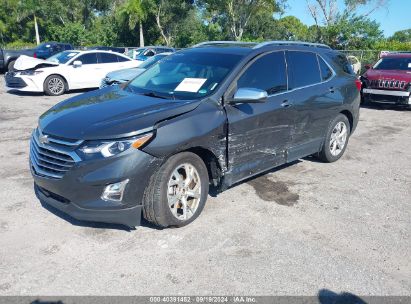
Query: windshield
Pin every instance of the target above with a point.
(62, 57)
(151, 61)
(190, 75)
(400, 63)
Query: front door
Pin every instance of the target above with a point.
(259, 133)
(83, 76)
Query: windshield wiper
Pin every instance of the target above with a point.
(152, 94)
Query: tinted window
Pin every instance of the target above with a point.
(326, 72)
(122, 59)
(107, 58)
(345, 64)
(400, 63)
(88, 58)
(267, 73)
(302, 69)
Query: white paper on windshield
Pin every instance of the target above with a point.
(409, 65)
(72, 54)
(190, 84)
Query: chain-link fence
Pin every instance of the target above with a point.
(364, 56)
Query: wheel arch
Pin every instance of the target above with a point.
(211, 162)
(350, 117)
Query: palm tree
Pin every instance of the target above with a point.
(28, 9)
(136, 12)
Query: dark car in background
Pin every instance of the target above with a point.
(217, 113)
(143, 53)
(42, 51)
(120, 50)
(389, 80)
(124, 75)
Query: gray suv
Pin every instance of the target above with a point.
(215, 114)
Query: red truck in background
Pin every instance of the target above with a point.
(389, 80)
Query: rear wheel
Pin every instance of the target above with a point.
(177, 192)
(336, 139)
(54, 85)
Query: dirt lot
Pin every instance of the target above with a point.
(294, 231)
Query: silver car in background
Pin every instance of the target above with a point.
(124, 75)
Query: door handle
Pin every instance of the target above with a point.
(286, 103)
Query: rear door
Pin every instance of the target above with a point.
(259, 133)
(316, 97)
(85, 75)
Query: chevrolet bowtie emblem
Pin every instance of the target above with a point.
(44, 139)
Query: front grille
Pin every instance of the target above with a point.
(14, 82)
(387, 84)
(52, 159)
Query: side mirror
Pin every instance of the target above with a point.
(368, 66)
(77, 63)
(249, 95)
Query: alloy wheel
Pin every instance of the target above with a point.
(56, 86)
(338, 138)
(184, 191)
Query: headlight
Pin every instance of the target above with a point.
(30, 73)
(110, 148)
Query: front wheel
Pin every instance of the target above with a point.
(336, 139)
(177, 192)
(54, 85)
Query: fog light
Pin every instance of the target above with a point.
(114, 192)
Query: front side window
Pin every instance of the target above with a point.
(189, 75)
(303, 69)
(400, 63)
(90, 58)
(267, 73)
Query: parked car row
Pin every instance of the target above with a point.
(216, 113)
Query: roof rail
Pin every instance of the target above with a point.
(223, 42)
(303, 43)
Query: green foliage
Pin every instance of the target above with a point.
(402, 36)
(182, 23)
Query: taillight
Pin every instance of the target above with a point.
(35, 55)
(358, 84)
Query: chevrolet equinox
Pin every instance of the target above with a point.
(217, 113)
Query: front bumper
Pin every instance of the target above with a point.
(387, 96)
(128, 216)
(22, 83)
(78, 192)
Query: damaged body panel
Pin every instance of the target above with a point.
(28, 63)
(220, 114)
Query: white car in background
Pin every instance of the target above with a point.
(65, 71)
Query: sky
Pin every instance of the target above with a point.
(395, 17)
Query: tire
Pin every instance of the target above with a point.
(335, 141)
(163, 198)
(10, 66)
(54, 85)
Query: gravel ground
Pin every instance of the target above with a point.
(297, 230)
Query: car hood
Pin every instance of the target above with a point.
(25, 63)
(125, 74)
(109, 113)
(400, 75)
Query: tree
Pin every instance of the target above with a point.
(136, 11)
(235, 15)
(402, 36)
(169, 14)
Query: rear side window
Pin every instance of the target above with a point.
(122, 59)
(345, 64)
(107, 58)
(267, 73)
(90, 58)
(326, 72)
(303, 69)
